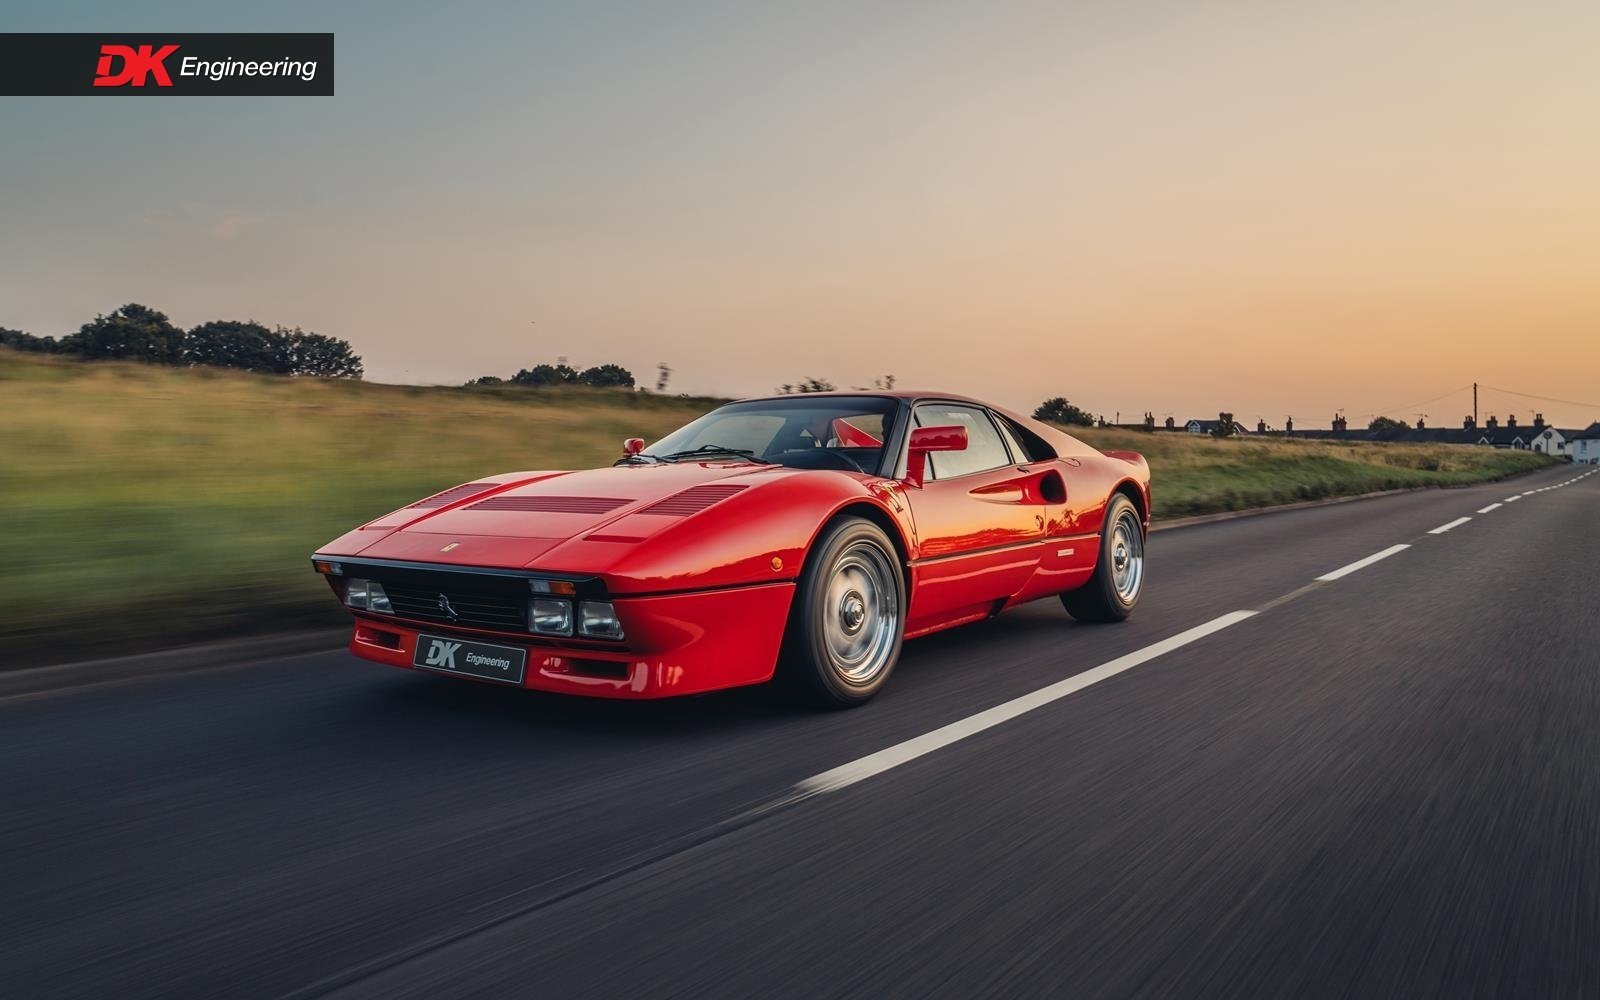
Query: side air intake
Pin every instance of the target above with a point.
(692, 500)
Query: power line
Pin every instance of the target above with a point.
(1544, 399)
(1412, 407)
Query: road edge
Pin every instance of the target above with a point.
(167, 662)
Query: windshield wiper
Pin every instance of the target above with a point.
(639, 459)
(716, 449)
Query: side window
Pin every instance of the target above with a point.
(984, 449)
(1026, 445)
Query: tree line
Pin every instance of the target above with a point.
(139, 333)
(606, 376)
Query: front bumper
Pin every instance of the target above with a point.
(677, 644)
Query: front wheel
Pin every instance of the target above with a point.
(1113, 591)
(848, 621)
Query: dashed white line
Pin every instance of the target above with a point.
(1493, 506)
(918, 746)
(1362, 563)
(1441, 529)
(1513, 499)
(1529, 493)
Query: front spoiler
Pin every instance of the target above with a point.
(677, 644)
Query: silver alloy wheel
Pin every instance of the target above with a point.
(1127, 556)
(861, 613)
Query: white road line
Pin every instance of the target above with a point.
(1362, 563)
(1441, 529)
(1512, 499)
(892, 757)
(1493, 506)
(1529, 493)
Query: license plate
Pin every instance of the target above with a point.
(475, 659)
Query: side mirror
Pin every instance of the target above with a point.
(632, 447)
(926, 439)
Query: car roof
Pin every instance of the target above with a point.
(908, 395)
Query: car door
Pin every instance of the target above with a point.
(979, 522)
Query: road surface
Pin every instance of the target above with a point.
(1386, 782)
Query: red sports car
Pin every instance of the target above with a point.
(801, 536)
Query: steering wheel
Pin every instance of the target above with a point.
(820, 458)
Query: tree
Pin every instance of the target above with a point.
(809, 384)
(1225, 427)
(316, 355)
(1385, 428)
(486, 380)
(229, 343)
(134, 331)
(602, 376)
(20, 341)
(557, 374)
(1058, 411)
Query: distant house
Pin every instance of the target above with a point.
(1584, 445)
(1210, 427)
(1538, 436)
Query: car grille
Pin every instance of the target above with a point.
(473, 609)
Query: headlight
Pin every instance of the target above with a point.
(367, 595)
(550, 616)
(598, 620)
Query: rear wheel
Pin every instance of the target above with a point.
(1113, 591)
(848, 621)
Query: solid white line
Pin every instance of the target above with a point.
(891, 757)
(1362, 563)
(1493, 506)
(1441, 529)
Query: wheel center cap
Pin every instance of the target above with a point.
(1120, 557)
(852, 612)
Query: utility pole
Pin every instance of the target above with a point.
(1474, 404)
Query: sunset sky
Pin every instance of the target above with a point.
(1178, 207)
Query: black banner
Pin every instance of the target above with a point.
(153, 63)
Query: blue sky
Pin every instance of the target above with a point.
(1009, 199)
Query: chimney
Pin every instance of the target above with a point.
(1170, 423)
(1339, 424)
(1421, 426)
(1261, 426)
(1468, 424)
(1149, 421)
(1492, 422)
(1288, 426)
(1511, 421)
(1538, 421)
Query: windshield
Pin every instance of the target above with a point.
(826, 432)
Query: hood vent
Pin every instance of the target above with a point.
(552, 505)
(692, 500)
(450, 496)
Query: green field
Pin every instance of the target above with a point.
(144, 506)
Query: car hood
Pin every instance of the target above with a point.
(514, 519)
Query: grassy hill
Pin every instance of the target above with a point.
(142, 506)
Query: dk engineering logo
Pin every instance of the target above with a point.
(182, 64)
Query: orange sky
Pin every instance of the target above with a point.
(1179, 207)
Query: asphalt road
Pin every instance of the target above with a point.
(1382, 784)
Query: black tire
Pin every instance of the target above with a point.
(1107, 596)
(853, 574)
